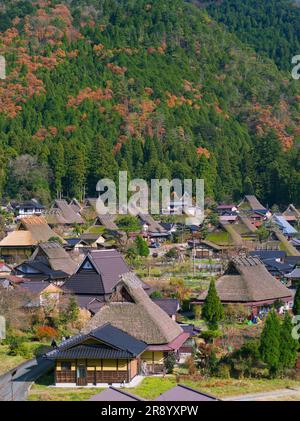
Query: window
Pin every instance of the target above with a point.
(87, 265)
(66, 366)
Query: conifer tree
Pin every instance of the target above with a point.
(270, 342)
(142, 247)
(296, 306)
(288, 345)
(212, 310)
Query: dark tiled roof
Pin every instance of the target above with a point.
(28, 204)
(292, 260)
(92, 352)
(272, 265)
(268, 254)
(191, 329)
(109, 266)
(89, 302)
(42, 270)
(169, 305)
(85, 282)
(114, 343)
(185, 394)
(35, 287)
(118, 338)
(114, 395)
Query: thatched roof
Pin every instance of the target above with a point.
(108, 221)
(31, 231)
(253, 203)
(131, 310)
(67, 212)
(56, 257)
(18, 238)
(292, 211)
(246, 221)
(247, 280)
(153, 226)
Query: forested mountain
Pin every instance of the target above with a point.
(270, 26)
(155, 87)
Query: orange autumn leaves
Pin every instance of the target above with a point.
(266, 120)
(22, 81)
(96, 95)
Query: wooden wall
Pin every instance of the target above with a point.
(98, 371)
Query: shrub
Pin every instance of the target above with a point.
(17, 346)
(210, 335)
(46, 333)
(197, 311)
(170, 362)
(223, 371)
(190, 365)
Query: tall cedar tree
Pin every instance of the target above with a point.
(288, 345)
(142, 247)
(212, 310)
(296, 306)
(270, 342)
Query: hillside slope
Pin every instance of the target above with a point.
(156, 88)
(271, 27)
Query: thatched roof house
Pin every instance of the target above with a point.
(53, 254)
(107, 221)
(291, 214)
(252, 203)
(62, 213)
(154, 228)
(30, 231)
(131, 310)
(247, 281)
(49, 262)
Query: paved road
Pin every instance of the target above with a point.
(265, 395)
(16, 388)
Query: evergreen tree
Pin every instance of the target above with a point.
(142, 246)
(288, 345)
(212, 310)
(296, 306)
(270, 342)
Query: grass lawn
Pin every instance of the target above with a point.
(220, 238)
(96, 230)
(41, 392)
(7, 362)
(152, 387)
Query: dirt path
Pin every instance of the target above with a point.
(273, 395)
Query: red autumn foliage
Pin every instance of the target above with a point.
(203, 151)
(92, 94)
(266, 120)
(118, 70)
(46, 332)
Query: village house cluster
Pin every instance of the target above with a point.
(133, 324)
